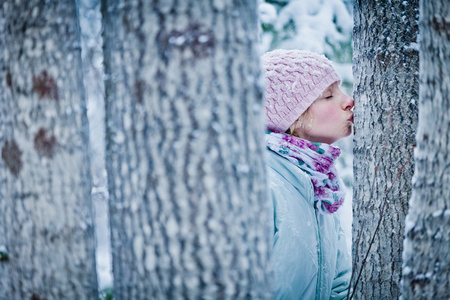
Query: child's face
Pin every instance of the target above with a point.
(329, 118)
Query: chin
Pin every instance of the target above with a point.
(349, 130)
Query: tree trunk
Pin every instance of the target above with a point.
(185, 150)
(385, 93)
(426, 266)
(46, 229)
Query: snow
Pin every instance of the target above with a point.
(203, 38)
(447, 213)
(422, 276)
(437, 213)
(406, 270)
(267, 13)
(412, 46)
(178, 41)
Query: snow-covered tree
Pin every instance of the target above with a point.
(323, 26)
(46, 229)
(385, 58)
(185, 150)
(426, 265)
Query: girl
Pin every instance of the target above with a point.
(306, 112)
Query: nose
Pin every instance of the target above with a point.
(348, 103)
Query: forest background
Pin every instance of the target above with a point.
(178, 108)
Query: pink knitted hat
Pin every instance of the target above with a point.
(294, 79)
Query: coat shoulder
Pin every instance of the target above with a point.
(284, 176)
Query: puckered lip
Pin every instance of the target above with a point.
(351, 118)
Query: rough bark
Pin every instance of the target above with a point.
(46, 218)
(184, 150)
(385, 93)
(426, 265)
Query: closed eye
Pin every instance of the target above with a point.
(328, 97)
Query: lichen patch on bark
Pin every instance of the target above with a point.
(44, 143)
(45, 86)
(11, 155)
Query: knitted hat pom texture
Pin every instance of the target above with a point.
(294, 79)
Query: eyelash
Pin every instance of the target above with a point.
(328, 97)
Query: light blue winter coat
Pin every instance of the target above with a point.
(309, 258)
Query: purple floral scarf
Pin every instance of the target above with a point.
(315, 159)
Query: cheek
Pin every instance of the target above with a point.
(326, 115)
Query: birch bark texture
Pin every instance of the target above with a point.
(185, 164)
(426, 256)
(385, 69)
(46, 228)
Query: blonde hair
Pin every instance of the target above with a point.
(300, 123)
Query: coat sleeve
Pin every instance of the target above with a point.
(341, 282)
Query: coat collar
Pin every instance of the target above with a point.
(296, 177)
